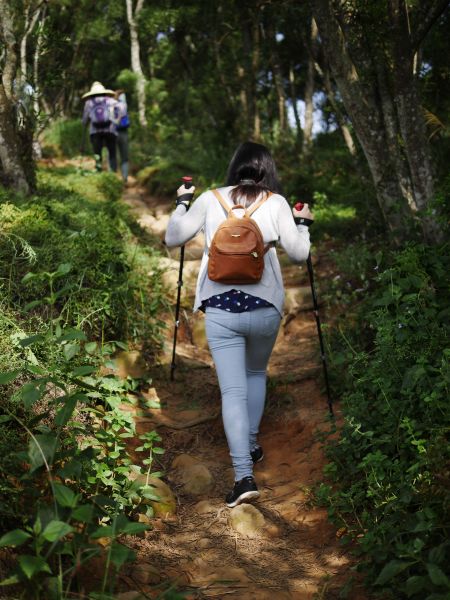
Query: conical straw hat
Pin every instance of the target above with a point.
(98, 89)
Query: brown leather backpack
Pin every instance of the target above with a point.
(236, 255)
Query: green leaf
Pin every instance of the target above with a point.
(17, 537)
(415, 584)
(39, 447)
(56, 530)
(10, 580)
(5, 418)
(64, 495)
(28, 276)
(437, 575)
(133, 528)
(70, 350)
(121, 345)
(120, 554)
(64, 414)
(83, 370)
(30, 393)
(90, 347)
(63, 269)
(73, 334)
(84, 513)
(30, 565)
(32, 339)
(31, 305)
(393, 568)
(8, 376)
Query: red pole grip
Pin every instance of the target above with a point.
(187, 180)
(299, 206)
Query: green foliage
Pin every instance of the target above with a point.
(76, 221)
(73, 270)
(391, 463)
(63, 138)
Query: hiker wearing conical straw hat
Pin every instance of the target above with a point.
(98, 113)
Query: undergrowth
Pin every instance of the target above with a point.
(390, 468)
(78, 281)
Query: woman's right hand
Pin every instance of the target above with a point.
(305, 212)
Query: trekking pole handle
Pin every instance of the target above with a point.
(302, 220)
(187, 180)
(186, 198)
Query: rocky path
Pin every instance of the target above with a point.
(281, 547)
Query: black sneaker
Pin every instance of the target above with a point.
(257, 454)
(243, 490)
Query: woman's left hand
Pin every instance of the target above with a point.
(305, 212)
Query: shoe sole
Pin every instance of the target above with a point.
(245, 496)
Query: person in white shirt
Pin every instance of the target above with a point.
(242, 321)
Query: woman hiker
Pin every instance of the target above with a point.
(242, 320)
(99, 114)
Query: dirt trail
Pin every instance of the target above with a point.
(289, 551)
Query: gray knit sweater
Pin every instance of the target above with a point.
(275, 220)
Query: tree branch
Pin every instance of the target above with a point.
(437, 8)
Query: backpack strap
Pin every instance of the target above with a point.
(249, 212)
(252, 209)
(222, 201)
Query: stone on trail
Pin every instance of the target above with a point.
(197, 480)
(166, 505)
(194, 476)
(182, 461)
(247, 520)
(204, 507)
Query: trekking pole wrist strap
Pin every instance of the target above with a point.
(184, 199)
(303, 221)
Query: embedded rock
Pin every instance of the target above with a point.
(197, 480)
(247, 520)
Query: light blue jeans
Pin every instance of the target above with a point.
(241, 344)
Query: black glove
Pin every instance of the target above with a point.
(303, 221)
(185, 199)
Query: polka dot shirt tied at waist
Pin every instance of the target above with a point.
(235, 301)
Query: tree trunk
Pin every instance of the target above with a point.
(293, 92)
(13, 154)
(36, 57)
(136, 58)
(359, 72)
(28, 28)
(309, 93)
(256, 50)
(278, 77)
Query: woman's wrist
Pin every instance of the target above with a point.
(303, 221)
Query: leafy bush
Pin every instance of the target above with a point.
(75, 220)
(74, 275)
(392, 459)
(63, 138)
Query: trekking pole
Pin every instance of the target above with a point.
(187, 184)
(299, 207)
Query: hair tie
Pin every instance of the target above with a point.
(247, 182)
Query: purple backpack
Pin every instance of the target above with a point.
(100, 114)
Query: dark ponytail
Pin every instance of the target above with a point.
(252, 170)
